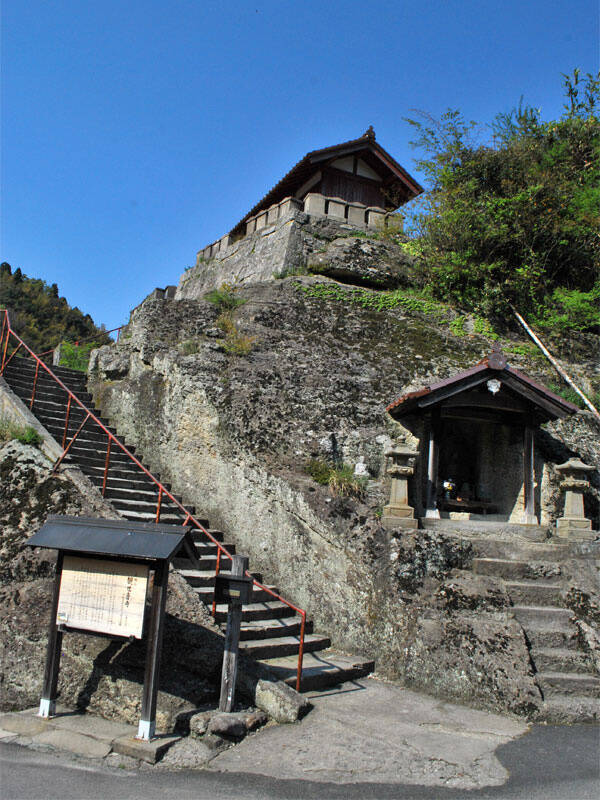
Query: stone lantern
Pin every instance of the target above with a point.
(573, 524)
(398, 514)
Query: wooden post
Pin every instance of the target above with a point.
(48, 701)
(147, 724)
(232, 641)
(529, 517)
(431, 509)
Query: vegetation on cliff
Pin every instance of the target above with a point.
(516, 220)
(39, 316)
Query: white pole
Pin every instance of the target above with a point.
(555, 364)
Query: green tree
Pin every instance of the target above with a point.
(515, 220)
(39, 316)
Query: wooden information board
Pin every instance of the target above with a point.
(103, 596)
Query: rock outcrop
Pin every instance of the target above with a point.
(234, 434)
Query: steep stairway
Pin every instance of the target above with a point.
(270, 628)
(564, 672)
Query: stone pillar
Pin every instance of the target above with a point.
(398, 514)
(431, 509)
(573, 523)
(529, 517)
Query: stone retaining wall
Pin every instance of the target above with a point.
(356, 214)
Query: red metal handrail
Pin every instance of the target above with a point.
(7, 332)
(77, 342)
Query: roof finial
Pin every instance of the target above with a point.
(369, 133)
(497, 358)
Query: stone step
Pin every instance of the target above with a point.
(97, 455)
(93, 435)
(323, 671)
(559, 659)
(568, 683)
(207, 563)
(207, 593)
(273, 629)
(518, 551)
(534, 593)
(253, 611)
(46, 388)
(141, 495)
(165, 519)
(141, 507)
(543, 635)
(126, 472)
(542, 615)
(500, 568)
(200, 536)
(205, 579)
(121, 476)
(27, 365)
(559, 709)
(283, 646)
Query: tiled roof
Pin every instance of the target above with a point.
(493, 365)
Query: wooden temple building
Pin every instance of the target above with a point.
(477, 430)
(360, 171)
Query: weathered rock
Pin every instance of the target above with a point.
(199, 723)
(234, 434)
(280, 702)
(364, 261)
(228, 725)
(255, 720)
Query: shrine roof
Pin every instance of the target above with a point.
(544, 403)
(110, 537)
(305, 168)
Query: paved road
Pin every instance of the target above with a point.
(549, 763)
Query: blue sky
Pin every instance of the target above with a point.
(134, 133)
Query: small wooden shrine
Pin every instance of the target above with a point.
(478, 429)
(358, 171)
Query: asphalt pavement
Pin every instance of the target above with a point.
(548, 763)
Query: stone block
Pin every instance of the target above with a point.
(261, 220)
(224, 242)
(280, 701)
(228, 725)
(151, 751)
(288, 205)
(272, 214)
(251, 225)
(314, 204)
(92, 725)
(356, 214)
(406, 523)
(23, 724)
(336, 208)
(375, 217)
(74, 742)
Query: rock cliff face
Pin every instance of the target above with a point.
(234, 433)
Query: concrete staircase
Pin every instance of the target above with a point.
(564, 673)
(270, 628)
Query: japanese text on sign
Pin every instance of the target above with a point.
(104, 596)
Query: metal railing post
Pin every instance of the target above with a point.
(108, 444)
(300, 651)
(217, 568)
(158, 505)
(37, 369)
(64, 439)
(68, 447)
